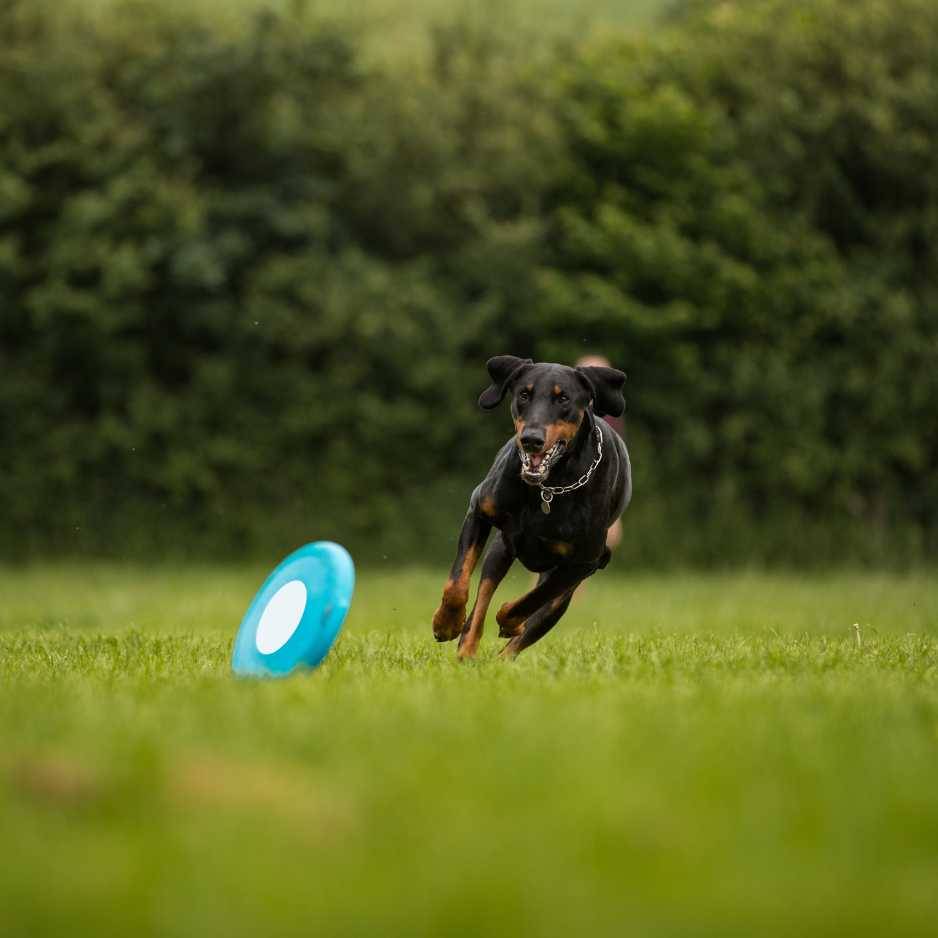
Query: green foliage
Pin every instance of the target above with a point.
(238, 271)
(249, 275)
(750, 222)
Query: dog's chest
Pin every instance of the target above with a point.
(542, 541)
(559, 523)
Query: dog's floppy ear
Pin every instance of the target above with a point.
(503, 370)
(606, 387)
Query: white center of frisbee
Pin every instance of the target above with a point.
(280, 617)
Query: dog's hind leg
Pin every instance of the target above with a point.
(451, 614)
(511, 628)
(538, 625)
(558, 581)
(497, 561)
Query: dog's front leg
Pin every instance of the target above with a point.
(449, 618)
(497, 561)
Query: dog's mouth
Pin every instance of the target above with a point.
(535, 467)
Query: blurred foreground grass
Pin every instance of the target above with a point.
(682, 755)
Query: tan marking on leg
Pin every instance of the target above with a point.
(468, 565)
(449, 618)
(507, 624)
(457, 591)
(510, 651)
(517, 643)
(558, 602)
(470, 642)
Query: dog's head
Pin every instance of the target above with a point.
(549, 404)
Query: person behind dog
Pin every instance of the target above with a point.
(614, 534)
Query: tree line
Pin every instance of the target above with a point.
(249, 277)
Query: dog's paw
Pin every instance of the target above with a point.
(448, 622)
(510, 651)
(508, 625)
(467, 649)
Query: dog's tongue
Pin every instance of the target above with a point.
(536, 460)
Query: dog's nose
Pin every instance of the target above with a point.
(532, 441)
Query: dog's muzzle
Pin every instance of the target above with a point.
(535, 467)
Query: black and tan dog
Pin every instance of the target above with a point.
(553, 491)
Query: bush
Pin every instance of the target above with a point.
(244, 277)
(248, 281)
(749, 221)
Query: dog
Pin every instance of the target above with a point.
(553, 491)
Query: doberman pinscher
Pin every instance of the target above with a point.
(556, 530)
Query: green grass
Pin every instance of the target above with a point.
(684, 755)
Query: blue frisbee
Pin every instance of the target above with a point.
(296, 615)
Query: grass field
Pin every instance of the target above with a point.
(684, 755)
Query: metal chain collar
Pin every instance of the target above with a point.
(549, 491)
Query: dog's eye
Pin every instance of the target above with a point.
(524, 396)
(562, 398)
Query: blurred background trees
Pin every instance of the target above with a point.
(250, 271)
